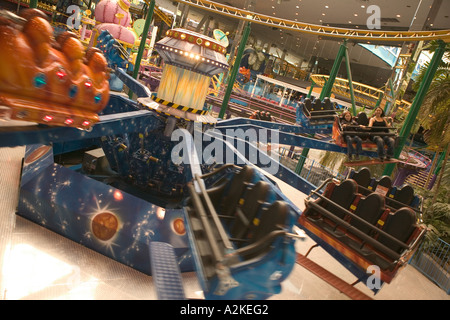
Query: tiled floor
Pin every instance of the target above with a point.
(38, 264)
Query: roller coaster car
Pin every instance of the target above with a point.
(338, 134)
(239, 232)
(47, 81)
(319, 112)
(362, 228)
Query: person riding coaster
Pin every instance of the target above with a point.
(375, 134)
(347, 121)
(378, 123)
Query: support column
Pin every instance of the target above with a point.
(417, 103)
(380, 98)
(310, 90)
(184, 16)
(148, 20)
(350, 82)
(234, 71)
(326, 90)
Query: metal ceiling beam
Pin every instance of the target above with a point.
(319, 30)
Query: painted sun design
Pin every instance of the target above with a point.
(104, 225)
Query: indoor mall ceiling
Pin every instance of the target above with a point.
(397, 15)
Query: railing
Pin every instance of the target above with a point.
(316, 173)
(433, 261)
(313, 171)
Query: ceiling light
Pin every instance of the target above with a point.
(323, 14)
(355, 14)
(326, 7)
(363, 6)
(398, 16)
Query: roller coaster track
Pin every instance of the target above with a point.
(364, 94)
(167, 19)
(319, 30)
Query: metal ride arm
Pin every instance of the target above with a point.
(295, 140)
(319, 30)
(287, 128)
(197, 202)
(215, 217)
(212, 173)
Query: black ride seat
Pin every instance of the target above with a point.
(247, 210)
(272, 218)
(343, 195)
(307, 107)
(327, 105)
(316, 105)
(404, 195)
(400, 225)
(319, 114)
(362, 177)
(362, 119)
(370, 209)
(228, 202)
(384, 181)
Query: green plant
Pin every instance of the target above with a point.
(436, 214)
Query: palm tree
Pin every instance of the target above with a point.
(435, 110)
(434, 116)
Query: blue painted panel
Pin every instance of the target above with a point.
(81, 208)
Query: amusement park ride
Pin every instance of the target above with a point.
(152, 190)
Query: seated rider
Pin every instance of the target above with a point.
(346, 122)
(378, 123)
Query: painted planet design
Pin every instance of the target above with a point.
(36, 154)
(178, 226)
(105, 225)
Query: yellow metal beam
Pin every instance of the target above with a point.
(364, 94)
(164, 17)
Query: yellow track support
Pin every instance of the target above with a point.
(164, 17)
(364, 94)
(319, 30)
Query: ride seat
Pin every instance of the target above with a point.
(384, 181)
(405, 195)
(362, 119)
(226, 198)
(327, 105)
(362, 177)
(400, 225)
(370, 209)
(308, 104)
(272, 218)
(343, 195)
(316, 105)
(248, 208)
